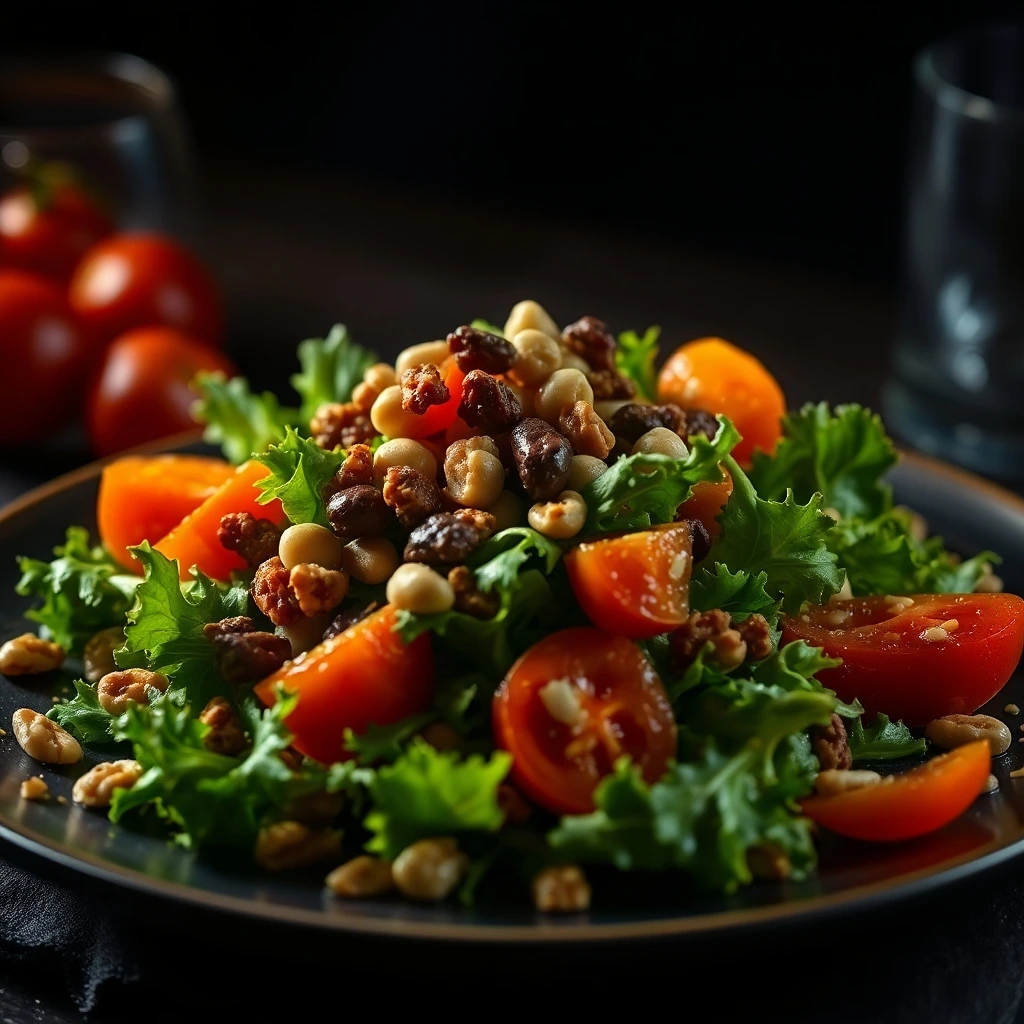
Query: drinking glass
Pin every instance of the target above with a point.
(957, 385)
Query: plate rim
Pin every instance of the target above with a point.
(544, 930)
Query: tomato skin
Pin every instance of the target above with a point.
(44, 355)
(627, 709)
(440, 417)
(706, 503)
(142, 392)
(913, 804)
(145, 497)
(713, 374)
(130, 281)
(889, 667)
(636, 585)
(364, 675)
(50, 241)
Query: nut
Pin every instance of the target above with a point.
(989, 582)
(34, 788)
(253, 540)
(559, 519)
(29, 654)
(98, 657)
(318, 590)
(96, 787)
(355, 470)
(272, 594)
(361, 878)
(542, 458)
(956, 730)
(420, 590)
(290, 844)
(561, 889)
(538, 355)
(341, 425)
(430, 869)
(389, 418)
(44, 740)
(587, 431)
(117, 689)
(422, 387)
(309, 542)
(250, 657)
(583, 470)
(768, 860)
(833, 781)
(529, 314)
(661, 441)
(380, 376)
(474, 473)
(561, 391)
(225, 735)
(469, 598)
(411, 495)
(610, 386)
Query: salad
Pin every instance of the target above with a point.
(514, 613)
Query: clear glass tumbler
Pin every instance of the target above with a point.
(957, 385)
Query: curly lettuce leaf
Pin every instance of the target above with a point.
(241, 422)
(642, 490)
(83, 590)
(635, 358)
(500, 559)
(299, 470)
(883, 740)
(331, 368)
(378, 743)
(484, 325)
(739, 593)
(83, 716)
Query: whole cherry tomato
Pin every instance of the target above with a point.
(916, 658)
(132, 281)
(142, 392)
(43, 354)
(571, 706)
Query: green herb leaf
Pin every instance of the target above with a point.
(635, 358)
(484, 325)
(331, 368)
(83, 590)
(883, 740)
(241, 422)
(427, 793)
(385, 742)
(83, 715)
(500, 559)
(740, 593)
(299, 470)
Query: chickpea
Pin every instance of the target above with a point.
(474, 472)
(527, 314)
(387, 415)
(572, 361)
(538, 356)
(508, 511)
(363, 396)
(403, 452)
(361, 878)
(559, 519)
(661, 441)
(608, 407)
(430, 869)
(418, 589)
(370, 559)
(584, 469)
(380, 376)
(305, 633)
(435, 352)
(309, 543)
(564, 388)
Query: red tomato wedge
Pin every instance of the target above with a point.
(637, 585)
(944, 654)
(144, 498)
(440, 417)
(909, 805)
(366, 674)
(621, 708)
(194, 540)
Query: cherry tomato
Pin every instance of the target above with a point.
(908, 805)
(712, 374)
(44, 356)
(143, 392)
(942, 654)
(440, 417)
(706, 503)
(362, 676)
(637, 585)
(132, 281)
(619, 704)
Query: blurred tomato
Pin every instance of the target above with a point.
(43, 354)
(48, 227)
(142, 391)
(130, 281)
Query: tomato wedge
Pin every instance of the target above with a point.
(637, 585)
(571, 706)
(440, 417)
(920, 657)
(144, 498)
(908, 805)
(706, 502)
(366, 674)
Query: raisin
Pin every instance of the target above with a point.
(487, 404)
(632, 421)
(542, 457)
(478, 350)
(700, 539)
(250, 657)
(412, 495)
(422, 387)
(347, 618)
(358, 512)
(255, 540)
(610, 385)
(586, 430)
(698, 421)
(443, 539)
(590, 339)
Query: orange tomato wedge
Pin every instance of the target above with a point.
(706, 503)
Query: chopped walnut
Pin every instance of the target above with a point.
(487, 404)
(769, 861)
(234, 624)
(341, 425)
(226, 735)
(355, 471)
(610, 385)
(561, 889)
(483, 521)
(470, 599)
(255, 540)
(96, 787)
(413, 496)
(290, 844)
(830, 745)
(714, 627)
(44, 740)
(757, 635)
(272, 594)
(29, 654)
(318, 808)
(117, 689)
(318, 590)
(34, 788)
(249, 657)
(590, 339)
(586, 431)
(422, 387)
(361, 878)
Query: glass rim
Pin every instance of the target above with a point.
(955, 97)
(137, 73)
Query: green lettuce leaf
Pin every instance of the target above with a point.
(299, 470)
(642, 490)
(484, 325)
(500, 559)
(331, 368)
(740, 593)
(83, 590)
(83, 716)
(883, 740)
(428, 793)
(635, 358)
(385, 742)
(240, 421)
(165, 625)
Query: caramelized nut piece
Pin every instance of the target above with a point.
(44, 740)
(226, 735)
(29, 654)
(561, 889)
(290, 844)
(318, 590)
(361, 878)
(430, 869)
(34, 788)
(96, 787)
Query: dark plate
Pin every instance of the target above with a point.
(970, 513)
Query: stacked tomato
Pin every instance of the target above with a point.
(112, 325)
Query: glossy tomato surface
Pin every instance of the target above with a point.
(130, 281)
(622, 707)
(939, 654)
(142, 392)
(636, 585)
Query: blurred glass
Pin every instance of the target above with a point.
(957, 388)
(114, 119)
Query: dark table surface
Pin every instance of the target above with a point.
(296, 254)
